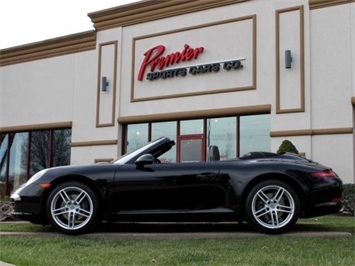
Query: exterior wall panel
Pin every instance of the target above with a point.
(332, 67)
(38, 92)
(106, 93)
(290, 79)
(58, 82)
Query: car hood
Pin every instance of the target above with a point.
(86, 170)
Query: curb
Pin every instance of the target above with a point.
(180, 235)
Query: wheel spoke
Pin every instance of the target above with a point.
(80, 197)
(286, 209)
(71, 220)
(60, 211)
(279, 194)
(263, 196)
(274, 219)
(64, 196)
(261, 212)
(83, 212)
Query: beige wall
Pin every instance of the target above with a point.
(59, 81)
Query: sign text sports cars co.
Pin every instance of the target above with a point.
(155, 60)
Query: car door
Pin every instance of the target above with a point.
(164, 187)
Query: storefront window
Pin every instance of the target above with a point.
(18, 160)
(137, 136)
(254, 133)
(61, 147)
(222, 133)
(3, 156)
(39, 151)
(3, 164)
(234, 136)
(22, 154)
(166, 129)
(190, 127)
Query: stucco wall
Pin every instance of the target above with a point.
(311, 103)
(332, 85)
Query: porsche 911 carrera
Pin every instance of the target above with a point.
(269, 191)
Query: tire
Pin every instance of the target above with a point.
(72, 208)
(272, 207)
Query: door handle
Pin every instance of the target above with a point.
(206, 177)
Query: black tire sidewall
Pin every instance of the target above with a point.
(91, 194)
(248, 207)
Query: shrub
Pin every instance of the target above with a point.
(287, 146)
(6, 208)
(349, 198)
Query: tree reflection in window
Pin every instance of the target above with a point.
(39, 151)
(22, 154)
(61, 147)
(3, 156)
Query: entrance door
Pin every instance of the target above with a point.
(191, 148)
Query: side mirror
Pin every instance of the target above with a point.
(144, 159)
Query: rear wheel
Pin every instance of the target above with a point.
(72, 207)
(272, 206)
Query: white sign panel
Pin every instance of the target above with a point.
(212, 58)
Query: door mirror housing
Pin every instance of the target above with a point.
(144, 160)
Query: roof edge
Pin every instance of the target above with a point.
(315, 4)
(63, 45)
(148, 10)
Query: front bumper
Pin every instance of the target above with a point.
(36, 219)
(28, 204)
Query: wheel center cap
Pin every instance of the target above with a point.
(273, 206)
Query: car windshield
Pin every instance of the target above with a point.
(128, 156)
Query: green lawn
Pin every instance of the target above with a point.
(274, 250)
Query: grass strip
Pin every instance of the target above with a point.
(276, 250)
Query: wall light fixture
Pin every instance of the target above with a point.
(104, 83)
(288, 59)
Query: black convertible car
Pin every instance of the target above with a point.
(270, 191)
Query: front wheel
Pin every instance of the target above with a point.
(272, 206)
(72, 207)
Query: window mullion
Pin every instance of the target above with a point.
(50, 147)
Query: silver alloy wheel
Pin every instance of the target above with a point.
(71, 208)
(273, 207)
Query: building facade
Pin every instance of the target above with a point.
(241, 74)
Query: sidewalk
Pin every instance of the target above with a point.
(5, 264)
(182, 235)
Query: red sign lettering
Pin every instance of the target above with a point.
(153, 58)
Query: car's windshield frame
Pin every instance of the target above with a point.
(128, 157)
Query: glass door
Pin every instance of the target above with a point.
(191, 148)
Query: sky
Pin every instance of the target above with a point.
(28, 21)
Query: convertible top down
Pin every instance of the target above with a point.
(270, 191)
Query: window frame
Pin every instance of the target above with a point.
(8, 147)
(204, 132)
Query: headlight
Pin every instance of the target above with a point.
(15, 196)
(35, 177)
